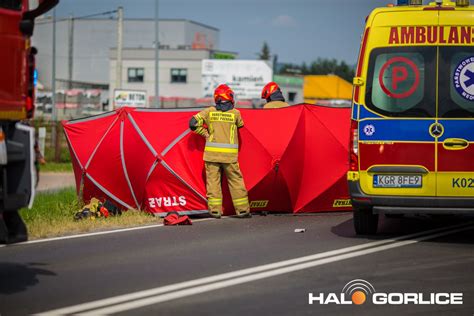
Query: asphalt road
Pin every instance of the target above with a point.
(147, 272)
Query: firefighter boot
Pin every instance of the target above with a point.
(244, 214)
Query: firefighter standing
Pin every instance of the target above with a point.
(219, 124)
(272, 93)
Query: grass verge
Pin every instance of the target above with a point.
(56, 167)
(52, 215)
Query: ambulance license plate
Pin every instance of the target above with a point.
(397, 181)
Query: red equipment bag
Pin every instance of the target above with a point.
(175, 219)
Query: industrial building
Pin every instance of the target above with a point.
(83, 46)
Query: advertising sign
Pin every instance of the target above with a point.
(132, 98)
(245, 77)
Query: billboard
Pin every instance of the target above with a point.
(133, 98)
(245, 77)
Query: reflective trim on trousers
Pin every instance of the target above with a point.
(214, 201)
(242, 201)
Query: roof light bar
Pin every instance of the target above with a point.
(409, 2)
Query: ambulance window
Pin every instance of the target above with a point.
(456, 87)
(401, 82)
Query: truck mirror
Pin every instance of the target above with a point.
(43, 7)
(27, 27)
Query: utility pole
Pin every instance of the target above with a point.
(118, 76)
(70, 51)
(54, 114)
(157, 57)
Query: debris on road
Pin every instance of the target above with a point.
(173, 218)
(96, 209)
(300, 230)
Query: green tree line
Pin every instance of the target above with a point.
(321, 66)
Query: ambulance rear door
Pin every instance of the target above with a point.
(396, 150)
(455, 148)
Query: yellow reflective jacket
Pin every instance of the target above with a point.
(222, 138)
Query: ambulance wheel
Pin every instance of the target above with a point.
(365, 222)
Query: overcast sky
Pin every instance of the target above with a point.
(296, 30)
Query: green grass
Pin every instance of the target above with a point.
(64, 155)
(56, 167)
(53, 215)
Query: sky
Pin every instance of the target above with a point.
(296, 30)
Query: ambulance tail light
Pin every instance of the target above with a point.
(354, 147)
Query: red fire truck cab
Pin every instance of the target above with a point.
(17, 156)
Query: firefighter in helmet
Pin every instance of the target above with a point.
(219, 124)
(272, 93)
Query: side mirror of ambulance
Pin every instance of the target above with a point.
(358, 81)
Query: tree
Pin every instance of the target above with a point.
(321, 66)
(265, 52)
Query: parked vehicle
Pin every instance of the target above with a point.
(17, 155)
(412, 131)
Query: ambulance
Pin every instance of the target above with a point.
(412, 125)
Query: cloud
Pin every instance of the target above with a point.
(284, 21)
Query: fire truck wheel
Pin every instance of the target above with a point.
(16, 227)
(3, 230)
(365, 222)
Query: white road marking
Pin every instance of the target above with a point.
(107, 232)
(170, 292)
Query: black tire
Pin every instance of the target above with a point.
(3, 231)
(17, 231)
(365, 222)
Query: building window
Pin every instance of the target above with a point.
(136, 74)
(291, 96)
(179, 75)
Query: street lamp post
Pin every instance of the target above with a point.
(157, 57)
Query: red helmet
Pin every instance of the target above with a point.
(223, 93)
(269, 89)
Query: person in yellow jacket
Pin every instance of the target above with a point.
(272, 93)
(219, 124)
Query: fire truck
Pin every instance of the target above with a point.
(17, 155)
